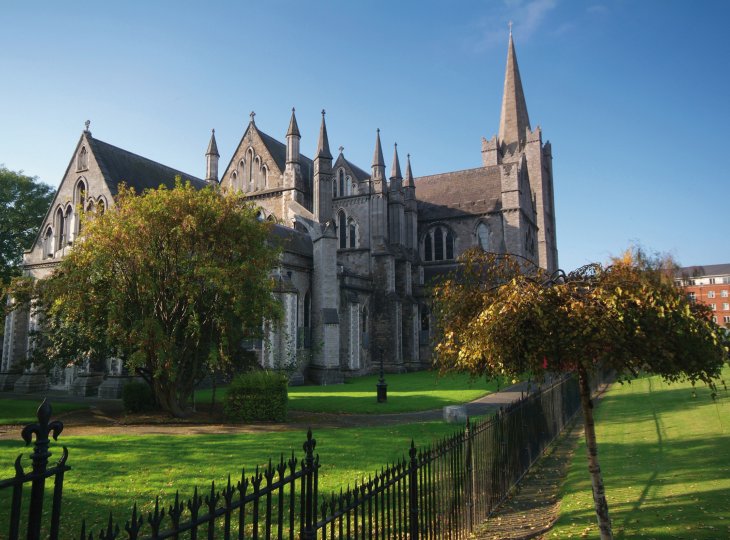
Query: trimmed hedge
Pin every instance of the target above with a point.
(256, 396)
(138, 397)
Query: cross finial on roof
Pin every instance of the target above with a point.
(341, 149)
(87, 124)
(323, 112)
(510, 28)
(254, 114)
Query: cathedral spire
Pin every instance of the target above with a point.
(323, 145)
(378, 155)
(395, 171)
(212, 146)
(292, 140)
(514, 120)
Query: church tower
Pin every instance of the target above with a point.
(519, 145)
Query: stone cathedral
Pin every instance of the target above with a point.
(360, 245)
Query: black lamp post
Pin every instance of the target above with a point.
(382, 386)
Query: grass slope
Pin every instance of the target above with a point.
(407, 392)
(109, 473)
(23, 411)
(665, 457)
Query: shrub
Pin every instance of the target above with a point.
(257, 395)
(138, 397)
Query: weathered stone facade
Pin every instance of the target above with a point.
(359, 247)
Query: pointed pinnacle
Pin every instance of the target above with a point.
(293, 127)
(395, 170)
(378, 160)
(409, 173)
(323, 145)
(212, 146)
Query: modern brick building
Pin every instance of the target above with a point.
(709, 284)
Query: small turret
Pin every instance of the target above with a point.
(292, 140)
(409, 185)
(378, 167)
(211, 160)
(322, 204)
(395, 174)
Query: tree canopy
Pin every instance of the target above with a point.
(171, 282)
(499, 315)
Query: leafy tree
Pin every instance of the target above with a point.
(501, 316)
(24, 201)
(170, 281)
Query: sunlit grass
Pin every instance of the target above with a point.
(23, 411)
(665, 457)
(407, 392)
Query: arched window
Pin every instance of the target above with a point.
(60, 229)
(307, 309)
(342, 226)
(438, 244)
(264, 177)
(82, 162)
(341, 181)
(102, 207)
(79, 203)
(67, 224)
(48, 243)
(334, 189)
(234, 180)
(249, 172)
(428, 248)
(352, 232)
(364, 320)
(90, 208)
(257, 172)
(483, 236)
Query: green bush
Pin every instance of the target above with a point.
(257, 395)
(138, 397)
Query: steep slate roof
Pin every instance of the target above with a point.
(278, 152)
(704, 270)
(292, 240)
(459, 193)
(135, 171)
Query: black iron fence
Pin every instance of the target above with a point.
(439, 491)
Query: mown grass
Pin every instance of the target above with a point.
(109, 473)
(407, 392)
(23, 411)
(665, 457)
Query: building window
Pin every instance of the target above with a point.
(726, 319)
(713, 307)
(82, 162)
(341, 182)
(712, 281)
(692, 297)
(438, 244)
(710, 294)
(723, 293)
(342, 226)
(48, 243)
(352, 232)
(714, 319)
(726, 306)
(425, 319)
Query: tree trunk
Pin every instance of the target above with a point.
(599, 493)
(167, 396)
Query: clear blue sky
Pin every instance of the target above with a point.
(633, 95)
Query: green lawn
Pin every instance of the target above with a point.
(665, 457)
(111, 472)
(407, 392)
(23, 411)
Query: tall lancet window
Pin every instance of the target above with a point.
(60, 229)
(438, 244)
(342, 230)
(352, 232)
(341, 182)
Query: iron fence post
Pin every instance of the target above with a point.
(39, 457)
(469, 484)
(309, 532)
(413, 494)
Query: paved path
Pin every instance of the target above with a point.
(102, 418)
